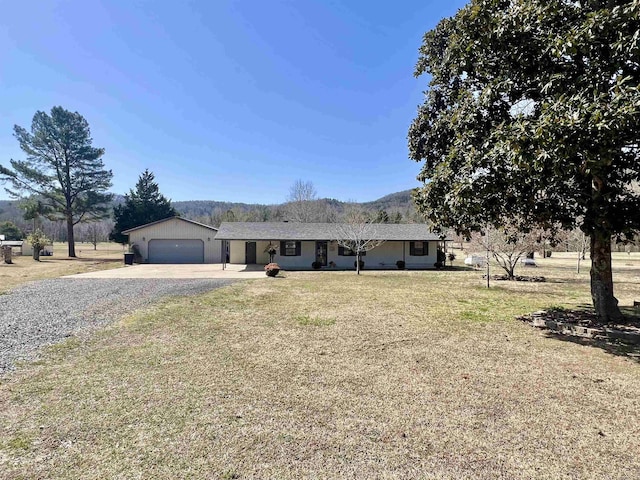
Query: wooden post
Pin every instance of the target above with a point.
(6, 254)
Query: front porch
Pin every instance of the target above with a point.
(301, 255)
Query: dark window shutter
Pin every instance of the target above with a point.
(412, 249)
(341, 251)
(425, 245)
(283, 248)
(298, 248)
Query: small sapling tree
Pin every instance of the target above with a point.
(38, 241)
(358, 234)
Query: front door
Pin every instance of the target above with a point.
(250, 252)
(321, 253)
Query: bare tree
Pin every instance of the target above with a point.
(506, 245)
(579, 242)
(96, 232)
(304, 206)
(358, 234)
(302, 191)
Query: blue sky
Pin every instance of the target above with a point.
(226, 100)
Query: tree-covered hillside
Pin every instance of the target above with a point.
(395, 207)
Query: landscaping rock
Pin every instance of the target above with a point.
(583, 323)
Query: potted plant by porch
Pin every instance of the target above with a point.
(272, 269)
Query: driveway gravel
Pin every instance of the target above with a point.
(45, 312)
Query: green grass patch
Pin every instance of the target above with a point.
(308, 321)
(19, 444)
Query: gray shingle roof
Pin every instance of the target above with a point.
(166, 220)
(318, 231)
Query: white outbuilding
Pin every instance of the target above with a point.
(175, 240)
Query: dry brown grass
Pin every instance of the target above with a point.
(25, 269)
(330, 375)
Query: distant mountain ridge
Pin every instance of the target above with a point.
(195, 208)
(201, 209)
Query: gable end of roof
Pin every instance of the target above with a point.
(169, 219)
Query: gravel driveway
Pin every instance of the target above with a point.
(45, 312)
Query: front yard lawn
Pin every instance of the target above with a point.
(331, 375)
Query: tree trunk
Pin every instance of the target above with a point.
(358, 264)
(70, 237)
(605, 304)
(579, 258)
(6, 254)
(36, 253)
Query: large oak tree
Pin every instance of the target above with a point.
(62, 168)
(532, 116)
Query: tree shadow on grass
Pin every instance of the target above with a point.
(581, 326)
(632, 352)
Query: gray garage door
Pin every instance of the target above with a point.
(176, 251)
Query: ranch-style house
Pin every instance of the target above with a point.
(296, 246)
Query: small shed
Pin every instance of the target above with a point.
(27, 250)
(16, 246)
(176, 240)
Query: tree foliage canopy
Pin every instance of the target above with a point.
(10, 231)
(532, 116)
(62, 168)
(143, 205)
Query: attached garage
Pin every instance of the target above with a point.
(176, 240)
(176, 251)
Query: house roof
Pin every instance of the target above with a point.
(320, 231)
(166, 220)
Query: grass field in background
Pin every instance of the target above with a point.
(333, 375)
(25, 269)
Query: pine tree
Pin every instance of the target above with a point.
(143, 205)
(62, 168)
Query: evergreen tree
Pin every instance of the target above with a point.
(383, 217)
(143, 205)
(62, 168)
(532, 118)
(11, 231)
(35, 209)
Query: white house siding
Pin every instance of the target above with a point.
(422, 261)
(384, 256)
(303, 261)
(236, 252)
(175, 229)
